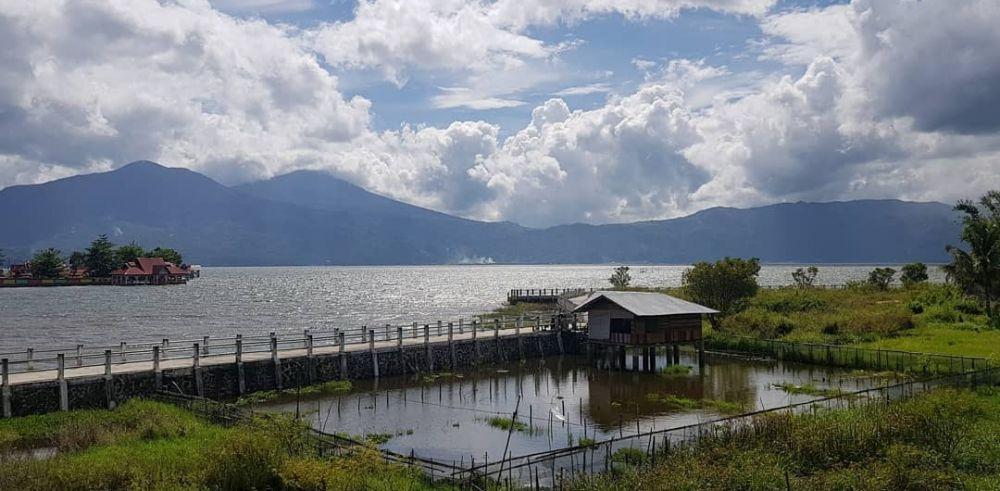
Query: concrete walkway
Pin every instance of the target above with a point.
(121, 367)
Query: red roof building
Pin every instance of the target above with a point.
(150, 271)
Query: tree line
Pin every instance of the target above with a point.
(98, 260)
(728, 284)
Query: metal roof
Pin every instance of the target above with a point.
(642, 304)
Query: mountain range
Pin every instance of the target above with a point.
(314, 218)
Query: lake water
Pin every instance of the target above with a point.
(563, 399)
(226, 301)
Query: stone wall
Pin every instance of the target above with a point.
(224, 381)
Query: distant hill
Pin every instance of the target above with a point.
(312, 218)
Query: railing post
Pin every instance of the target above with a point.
(309, 345)
(166, 346)
(305, 336)
(121, 350)
(61, 378)
(204, 345)
(439, 328)
(414, 329)
(276, 361)
(79, 355)
(399, 337)
(496, 338)
(196, 369)
(157, 375)
(5, 386)
(31, 359)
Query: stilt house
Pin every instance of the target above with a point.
(642, 319)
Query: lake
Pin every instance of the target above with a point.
(226, 301)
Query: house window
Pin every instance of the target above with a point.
(621, 326)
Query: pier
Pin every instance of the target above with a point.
(39, 381)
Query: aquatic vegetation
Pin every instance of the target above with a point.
(326, 388)
(675, 370)
(506, 424)
(629, 456)
(678, 403)
(808, 389)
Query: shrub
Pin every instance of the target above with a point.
(725, 285)
(913, 274)
(881, 278)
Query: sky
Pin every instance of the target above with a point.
(540, 112)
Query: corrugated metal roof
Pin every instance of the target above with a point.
(644, 304)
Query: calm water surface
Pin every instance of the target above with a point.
(562, 400)
(225, 301)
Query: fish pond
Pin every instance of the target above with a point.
(467, 416)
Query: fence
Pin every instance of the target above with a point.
(238, 347)
(324, 443)
(552, 468)
(924, 364)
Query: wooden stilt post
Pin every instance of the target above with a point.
(677, 354)
(701, 354)
(109, 387)
(276, 361)
(342, 354)
(371, 347)
(61, 378)
(157, 374)
(199, 390)
(241, 380)
(5, 386)
(310, 359)
(451, 343)
(427, 347)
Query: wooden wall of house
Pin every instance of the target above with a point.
(676, 327)
(599, 321)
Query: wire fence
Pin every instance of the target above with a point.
(552, 468)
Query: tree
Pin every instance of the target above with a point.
(47, 264)
(129, 253)
(913, 273)
(168, 255)
(77, 260)
(881, 278)
(805, 278)
(620, 278)
(977, 271)
(725, 285)
(101, 259)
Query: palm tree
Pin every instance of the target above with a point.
(977, 271)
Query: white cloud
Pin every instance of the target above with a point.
(595, 88)
(895, 99)
(98, 82)
(264, 6)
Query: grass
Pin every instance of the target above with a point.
(680, 403)
(148, 445)
(947, 439)
(332, 387)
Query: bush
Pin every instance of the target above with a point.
(725, 285)
(758, 322)
(881, 278)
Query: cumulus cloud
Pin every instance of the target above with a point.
(872, 99)
(89, 82)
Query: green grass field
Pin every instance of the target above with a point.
(151, 445)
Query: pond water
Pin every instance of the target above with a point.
(562, 399)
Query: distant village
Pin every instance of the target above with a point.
(103, 263)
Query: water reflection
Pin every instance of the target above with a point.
(446, 416)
